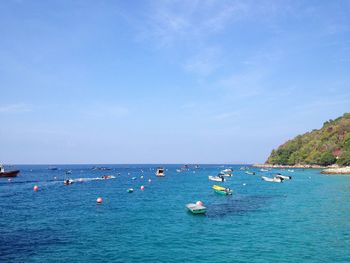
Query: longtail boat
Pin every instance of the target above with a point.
(222, 190)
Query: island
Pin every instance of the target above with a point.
(327, 148)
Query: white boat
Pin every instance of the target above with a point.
(291, 170)
(283, 177)
(264, 170)
(196, 209)
(272, 180)
(160, 172)
(216, 178)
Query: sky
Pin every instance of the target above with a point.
(197, 81)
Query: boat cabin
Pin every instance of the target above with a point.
(160, 171)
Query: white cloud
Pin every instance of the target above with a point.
(15, 108)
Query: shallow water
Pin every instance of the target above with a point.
(306, 219)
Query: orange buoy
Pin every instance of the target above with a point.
(142, 187)
(99, 200)
(199, 203)
(35, 188)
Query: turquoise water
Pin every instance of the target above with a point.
(306, 219)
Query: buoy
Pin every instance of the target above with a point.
(149, 180)
(142, 187)
(9, 179)
(141, 176)
(35, 188)
(244, 184)
(199, 203)
(99, 200)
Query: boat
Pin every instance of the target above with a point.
(272, 180)
(130, 190)
(291, 170)
(263, 170)
(216, 178)
(52, 168)
(12, 173)
(251, 173)
(178, 170)
(107, 177)
(68, 182)
(283, 177)
(69, 172)
(160, 172)
(196, 209)
(222, 190)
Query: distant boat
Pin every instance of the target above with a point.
(216, 178)
(12, 173)
(291, 170)
(178, 170)
(130, 190)
(263, 170)
(52, 168)
(69, 172)
(160, 172)
(251, 173)
(222, 190)
(196, 209)
(283, 177)
(272, 180)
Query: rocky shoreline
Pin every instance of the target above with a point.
(333, 169)
(337, 170)
(297, 166)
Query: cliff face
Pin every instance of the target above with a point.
(326, 146)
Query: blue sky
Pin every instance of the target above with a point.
(167, 81)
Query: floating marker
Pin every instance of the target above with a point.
(35, 188)
(99, 200)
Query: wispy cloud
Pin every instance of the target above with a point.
(15, 108)
(105, 111)
(205, 62)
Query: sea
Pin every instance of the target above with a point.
(305, 219)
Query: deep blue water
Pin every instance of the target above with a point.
(306, 219)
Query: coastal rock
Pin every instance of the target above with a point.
(337, 170)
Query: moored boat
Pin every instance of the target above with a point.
(222, 190)
(283, 177)
(160, 172)
(250, 173)
(216, 178)
(272, 180)
(130, 190)
(196, 208)
(3, 173)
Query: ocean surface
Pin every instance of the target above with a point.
(306, 219)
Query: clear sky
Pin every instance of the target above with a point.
(167, 81)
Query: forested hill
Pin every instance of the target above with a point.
(326, 146)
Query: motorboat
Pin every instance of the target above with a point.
(130, 190)
(12, 173)
(107, 177)
(272, 180)
(250, 173)
(264, 170)
(68, 182)
(283, 177)
(222, 190)
(196, 208)
(160, 172)
(216, 178)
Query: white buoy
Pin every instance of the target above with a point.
(199, 203)
(99, 200)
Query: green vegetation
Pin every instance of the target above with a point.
(326, 146)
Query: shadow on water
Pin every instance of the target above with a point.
(28, 242)
(238, 206)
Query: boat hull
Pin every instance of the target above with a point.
(9, 174)
(223, 192)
